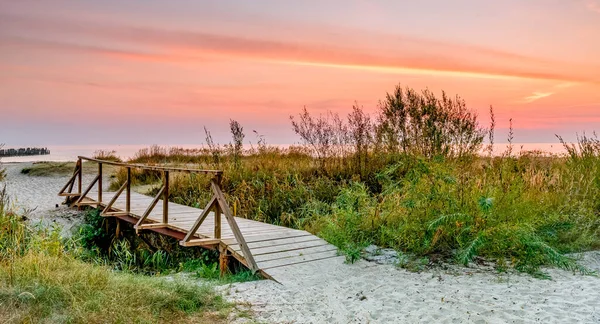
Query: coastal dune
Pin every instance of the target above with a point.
(331, 291)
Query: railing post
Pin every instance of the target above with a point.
(99, 184)
(128, 195)
(217, 209)
(166, 198)
(217, 221)
(79, 177)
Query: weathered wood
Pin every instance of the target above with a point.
(200, 219)
(67, 194)
(307, 251)
(223, 261)
(70, 182)
(152, 204)
(75, 172)
(150, 167)
(128, 197)
(200, 242)
(114, 214)
(114, 199)
(289, 247)
(217, 222)
(99, 184)
(87, 190)
(151, 226)
(165, 215)
(80, 177)
(298, 259)
(233, 225)
(256, 245)
(118, 230)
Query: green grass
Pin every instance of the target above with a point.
(524, 211)
(42, 281)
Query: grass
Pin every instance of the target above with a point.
(523, 210)
(148, 253)
(41, 280)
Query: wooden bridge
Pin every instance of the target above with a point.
(259, 246)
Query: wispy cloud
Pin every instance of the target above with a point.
(537, 96)
(593, 5)
(182, 46)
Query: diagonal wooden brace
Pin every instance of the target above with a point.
(114, 199)
(151, 207)
(87, 190)
(200, 219)
(234, 227)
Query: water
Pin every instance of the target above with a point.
(65, 153)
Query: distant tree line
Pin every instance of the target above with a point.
(24, 151)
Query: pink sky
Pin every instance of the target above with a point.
(143, 72)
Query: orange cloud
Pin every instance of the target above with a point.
(410, 56)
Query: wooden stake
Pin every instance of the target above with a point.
(223, 260)
(166, 198)
(99, 184)
(128, 194)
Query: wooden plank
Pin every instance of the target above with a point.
(69, 194)
(296, 260)
(289, 247)
(285, 241)
(114, 214)
(150, 226)
(199, 242)
(295, 253)
(151, 168)
(267, 237)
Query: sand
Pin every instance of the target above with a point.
(365, 292)
(38, 197)
(332, 291)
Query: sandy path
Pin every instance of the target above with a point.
(40, 195)
(334, 292)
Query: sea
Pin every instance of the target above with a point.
(66, 153)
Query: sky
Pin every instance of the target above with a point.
(158, 72)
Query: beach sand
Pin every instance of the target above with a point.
(38, 197)
(364, 292)
(332, 291)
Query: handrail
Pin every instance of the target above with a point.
(151, 168)
(217, 204)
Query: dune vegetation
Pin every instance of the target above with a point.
(417, 177)
(43, 279)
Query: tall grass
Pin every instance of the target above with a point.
(413, 180)
(41, 281)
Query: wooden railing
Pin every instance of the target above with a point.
(217, 203)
